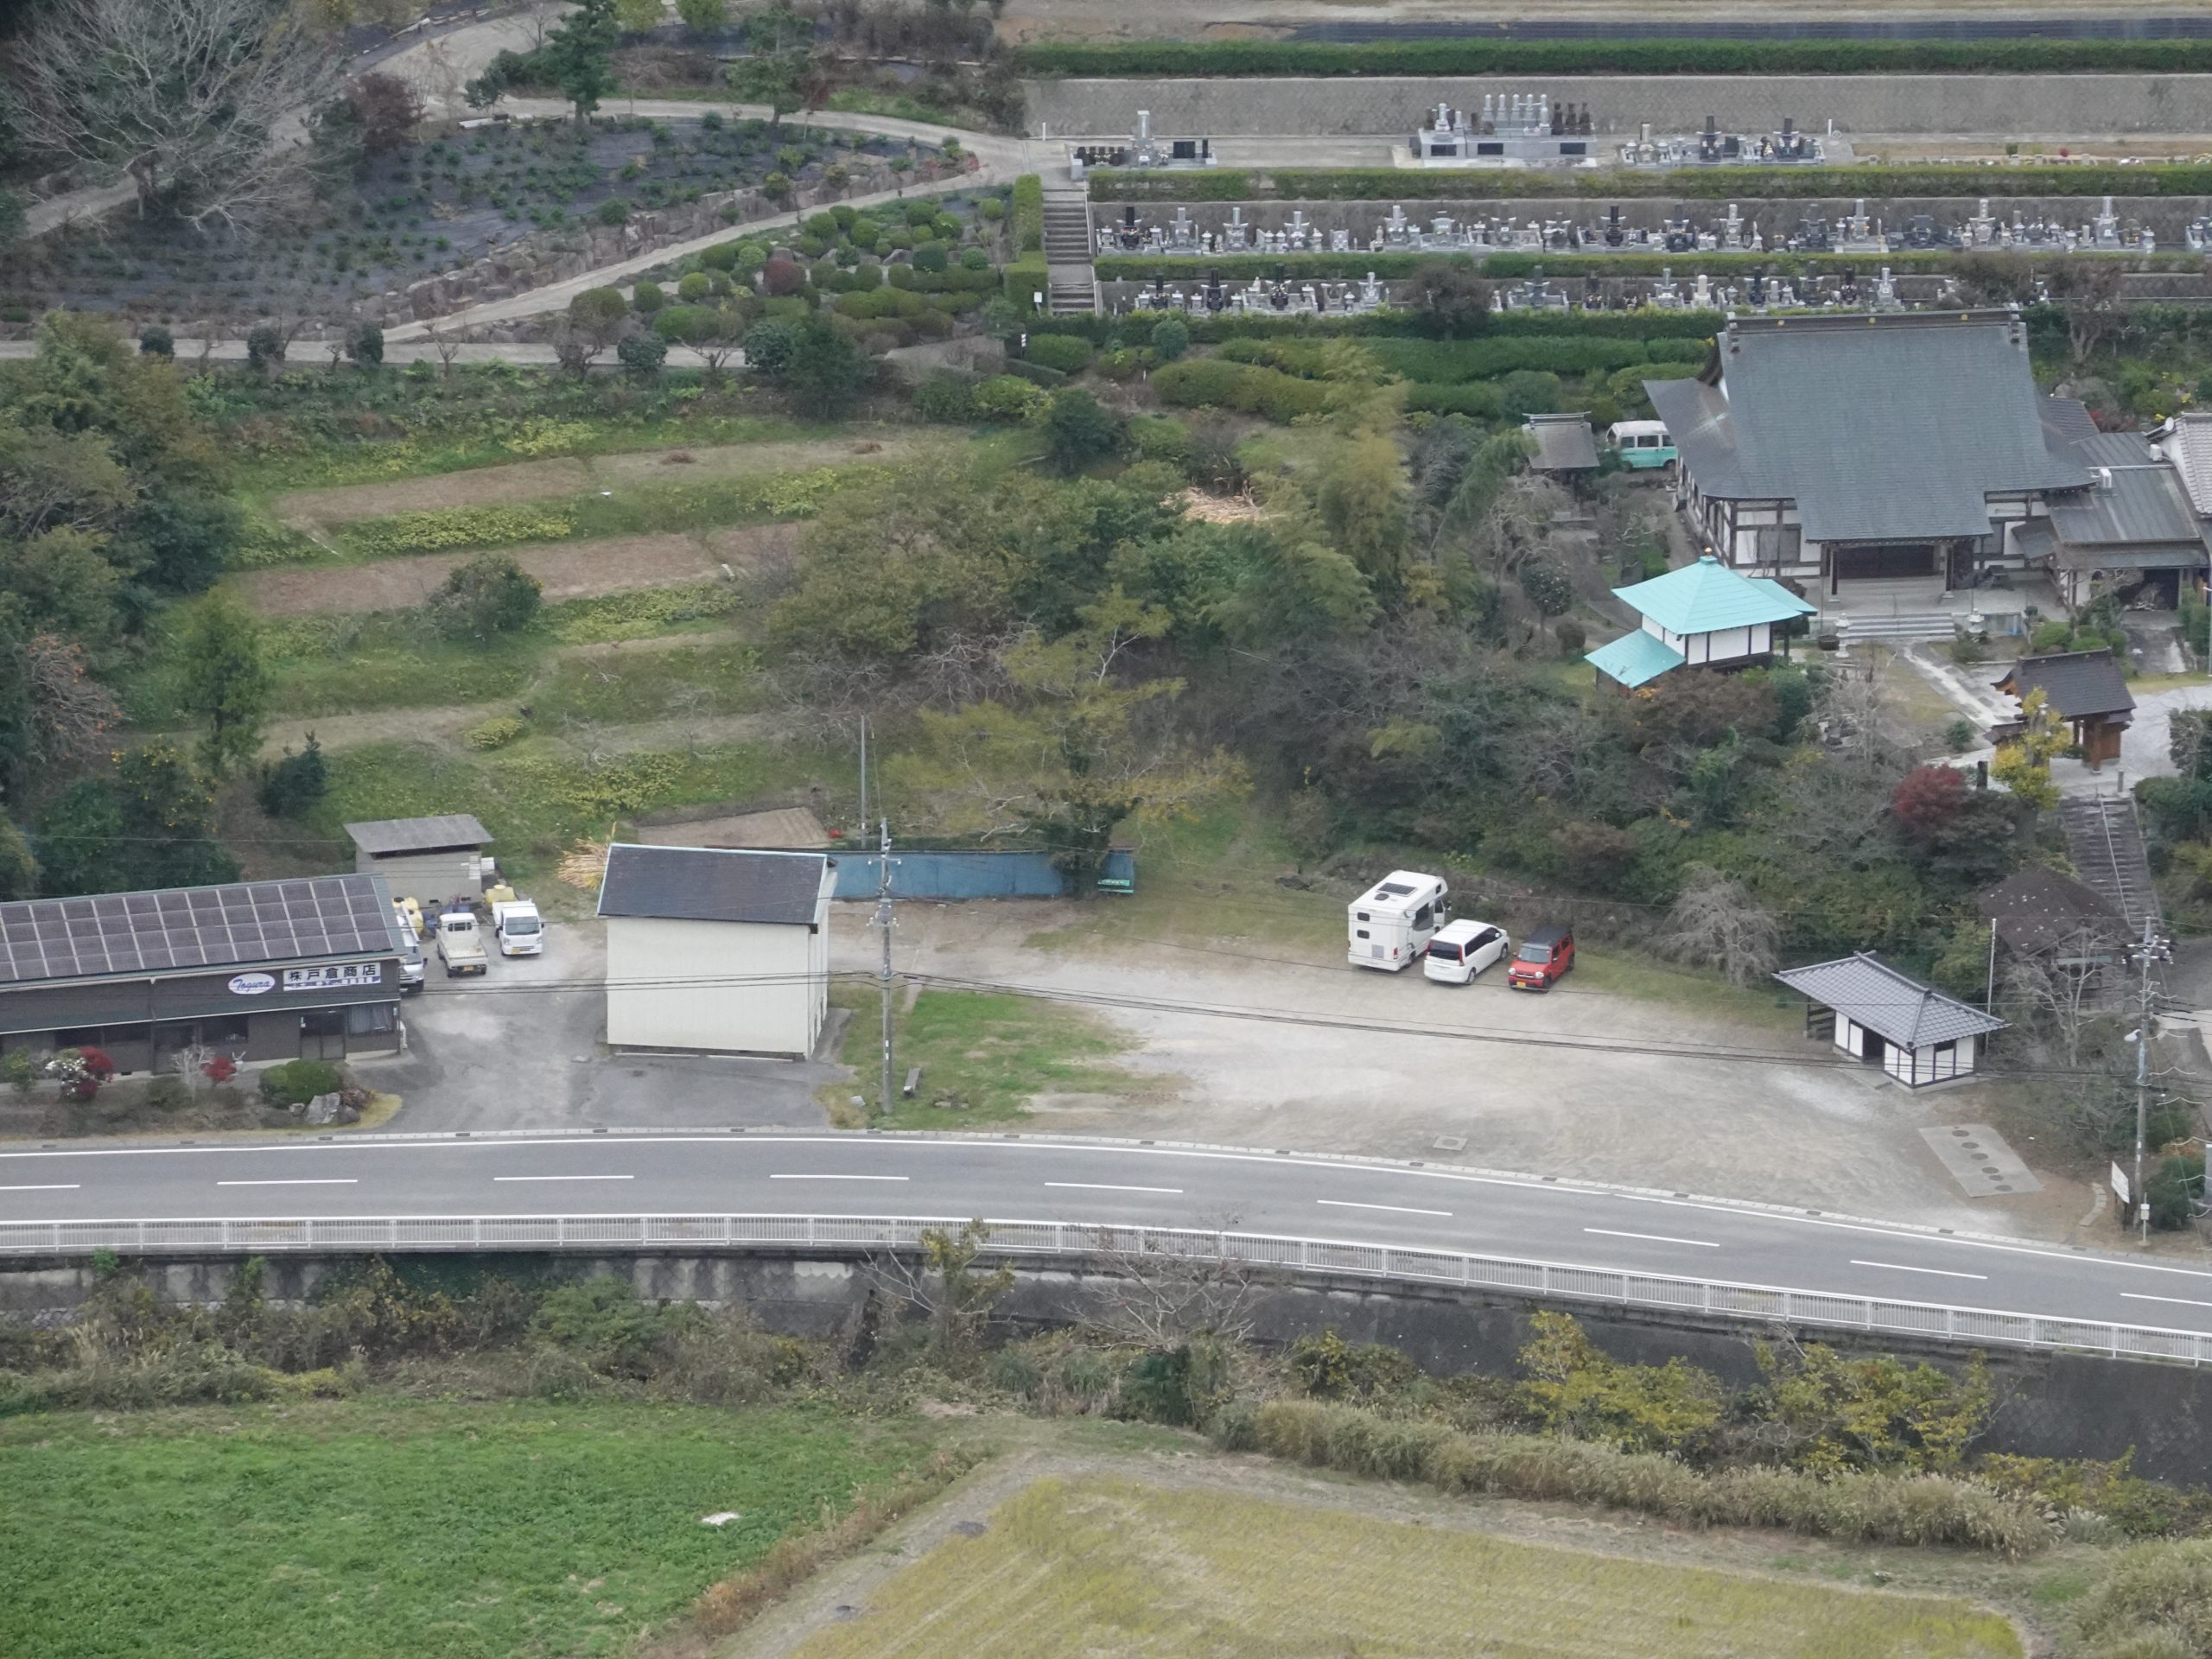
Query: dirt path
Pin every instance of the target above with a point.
(540, 481)
(564, 569)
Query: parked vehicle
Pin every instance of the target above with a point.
(459, 945)
(1544, 957)
(411, 965)
(521, 930)
(1642, 446)
(410, 917)
(1392, 922)
(1462, 950)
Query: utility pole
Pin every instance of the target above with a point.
(883, 921)
(863, 777)
(2152, 949)
(1989, 986)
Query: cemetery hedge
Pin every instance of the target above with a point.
(1475, 56)
(1705, 184)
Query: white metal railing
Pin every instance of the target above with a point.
(1932, 1321)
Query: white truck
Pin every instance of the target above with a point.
(461, 948)
(521, 930)
(1393, 921)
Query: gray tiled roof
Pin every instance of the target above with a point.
(2187, 440)
(1564, 443)
(2137, 500)
(1880, 429)
(709, 884)
(2075, 683)
(381, 837)
(184, 930)
(1901, 1010)
(2038, 909)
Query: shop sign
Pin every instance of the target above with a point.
(251, 984)
(336, 977)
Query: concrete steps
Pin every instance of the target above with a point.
(1905, 625)
(2106, 843)
(1072, 287)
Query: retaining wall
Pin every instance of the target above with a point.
(2049, 1404)
(2055, 107)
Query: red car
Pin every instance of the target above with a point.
(1544, 957)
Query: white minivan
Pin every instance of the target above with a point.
(1460, 951)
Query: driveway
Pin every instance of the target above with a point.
(524, 1048)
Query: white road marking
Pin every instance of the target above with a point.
(58, 1186)
(1655, 1238)
(1394, 1209)
(2183, 1301)
(332, 1180)
(837, 1178)
(1103, 1186)
(564, 1178)
(1941, 1273)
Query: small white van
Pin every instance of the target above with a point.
(1460, 951)
(1392, 922)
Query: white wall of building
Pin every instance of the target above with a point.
(747, 987)
(1935, 1063)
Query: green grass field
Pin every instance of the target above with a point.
(1106, 1566)
(360, 1530)
(996, 1053)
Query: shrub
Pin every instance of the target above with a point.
(782, 277)
(1571, 637)
(612, 211)
(721, 257)
(1548, 586)
(1160, 437)
(294, 783)
(168, 1093)
(153, 340)
(1009, 397)
(295, 1083)
(1171, 337)
(1069, 353)
(365, 345)
(645, 298)
(490, 594)
(642, 355)
(495, 733)
(1215, 383)
(947, 396)
(768, 346)
(264, 346)
(1028, 214)
(693, 287)
(80, 1071)
(1078, 431)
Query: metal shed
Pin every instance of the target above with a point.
(435, 858)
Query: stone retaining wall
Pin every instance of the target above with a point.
(2053, 107)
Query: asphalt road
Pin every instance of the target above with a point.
(1301, 1196)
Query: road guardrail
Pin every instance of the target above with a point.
(846, 1235)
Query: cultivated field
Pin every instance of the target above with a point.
(1101, 1566)
(347, 1530)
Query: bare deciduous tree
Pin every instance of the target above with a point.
(2063, 993)
(204, 103)
(944, 1284)
(446, 344)
(71, 712)
(191, 1062)
(1714, 924)
(1160, 1291)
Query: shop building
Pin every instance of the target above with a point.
(259, 970)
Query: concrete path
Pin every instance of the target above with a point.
(313, 354)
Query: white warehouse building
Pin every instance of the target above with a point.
(716, 951)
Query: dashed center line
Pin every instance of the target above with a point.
(54, 1186)
(327, 1180)
(837, 1178)
(2182, 1301)
(1940, 1273)
(1103, 1187)
(1394, 1209)
(564, 1178)
(1655, 1238)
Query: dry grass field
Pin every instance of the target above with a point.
(1104, 1566)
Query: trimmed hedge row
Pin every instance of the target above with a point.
(1216, 383)
(1025, 276)
(1706, 184)
(1916, 1510)
(1476, 56)
(1029, 213)
(1450, 362)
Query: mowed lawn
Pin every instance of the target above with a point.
(1100, 1566)
(367, 1530)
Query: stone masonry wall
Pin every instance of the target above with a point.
(2055, 107)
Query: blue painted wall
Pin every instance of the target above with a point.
(966, 875)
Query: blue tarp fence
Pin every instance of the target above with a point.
(922, 874)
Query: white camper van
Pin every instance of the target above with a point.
(1392, 922)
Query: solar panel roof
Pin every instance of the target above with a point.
(182, 928)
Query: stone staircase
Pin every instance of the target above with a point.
(1904, 627)
(1072, 286)
(2106, 843)
(1907, 608)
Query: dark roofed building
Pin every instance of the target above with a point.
(716, 950)
(435, 857)
(1831, 450)
(260, 970)
(1564, 444)
(2133, 524)
(1877, 1015)
(2086, 688)
(2041, 916)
